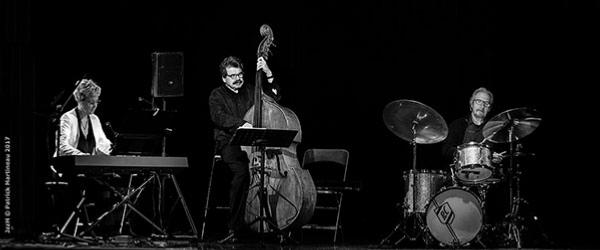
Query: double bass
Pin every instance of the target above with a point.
(290, 191)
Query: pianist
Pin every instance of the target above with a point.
(80, 131)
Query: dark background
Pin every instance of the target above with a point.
(339, 64)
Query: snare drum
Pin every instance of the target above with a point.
(473, 162)
(454, 216)
(421, 185)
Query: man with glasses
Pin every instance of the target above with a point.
(465, 134)
(228, 105)
(470, 128)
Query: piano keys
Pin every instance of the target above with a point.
(97, 164)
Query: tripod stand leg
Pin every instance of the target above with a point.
(265, 217)
(513, 228)
(185, 207)
(387, 238)
(479, 240)
(64, 227)
(400, 227)
(400, 240)
(124, 201)
(515, 234)
(419, 226)
(75, 211)
(208, 192)
(77, 224)
(125, 207)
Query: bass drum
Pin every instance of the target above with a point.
(454, 216)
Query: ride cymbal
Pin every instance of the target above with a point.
(518, 122)
(412, 120)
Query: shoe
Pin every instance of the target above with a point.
(231, 238)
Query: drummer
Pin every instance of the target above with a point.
(470, 128)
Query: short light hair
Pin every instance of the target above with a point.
(484, 90)
(86, 89)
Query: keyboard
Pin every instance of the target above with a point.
(84, 164)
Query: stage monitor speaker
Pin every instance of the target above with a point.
(167, 77)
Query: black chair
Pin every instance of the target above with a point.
(329, 169)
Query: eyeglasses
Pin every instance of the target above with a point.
(238, 75)
(482, 102)
(94, 103)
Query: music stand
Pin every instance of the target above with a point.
(262, 138)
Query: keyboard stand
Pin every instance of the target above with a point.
(126, 203)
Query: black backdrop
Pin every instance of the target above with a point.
(339, 65)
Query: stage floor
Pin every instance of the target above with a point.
(226, 246)
(190, 243)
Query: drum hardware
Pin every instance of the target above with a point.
(411, 227)
(421, 186)
(511, 126)
(418, 124)
(513, 217)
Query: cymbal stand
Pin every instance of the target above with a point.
(417, 224)
(514, 233)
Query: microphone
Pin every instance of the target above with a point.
(109, 126)
(154, 109)
(142, 99)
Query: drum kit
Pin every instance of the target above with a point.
(448, 207)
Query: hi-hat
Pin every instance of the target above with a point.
(519, 121)
(412, 120)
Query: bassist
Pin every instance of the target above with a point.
(228, 104)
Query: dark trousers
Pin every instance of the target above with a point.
(237, 161)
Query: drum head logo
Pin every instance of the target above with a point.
(445, 214)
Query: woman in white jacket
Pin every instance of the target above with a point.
(81, 132)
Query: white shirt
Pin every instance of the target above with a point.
(69, 135)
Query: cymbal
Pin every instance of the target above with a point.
(522, 121)
(401, 116)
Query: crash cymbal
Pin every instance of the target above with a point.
(522, 122)
(402, 116)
